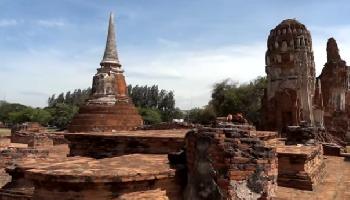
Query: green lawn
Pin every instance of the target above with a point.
(5, 132)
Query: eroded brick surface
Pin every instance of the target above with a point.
(228, 164)
(101, 145)
(300, 167)
(110, 178)
(290, 72)
(335, 184)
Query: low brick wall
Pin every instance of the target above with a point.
(229, 164)
(38, 139)
(104, 145)
(300, 167)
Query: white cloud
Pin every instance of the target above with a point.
(8, 22)
(51, 23)
(190, 74)
(197, 71)
(34, 75)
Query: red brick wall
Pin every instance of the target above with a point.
(229, 164)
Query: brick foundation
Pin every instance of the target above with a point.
(119, 178)
(300, 167)
(102, 145)
(229, 164)
(106, 118)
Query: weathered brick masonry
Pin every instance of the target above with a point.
(229, 164)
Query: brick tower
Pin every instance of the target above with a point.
(335, 81)
(109, 107)
(290, 70)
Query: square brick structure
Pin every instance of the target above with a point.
(300, 167)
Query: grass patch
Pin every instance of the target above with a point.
(5, 132)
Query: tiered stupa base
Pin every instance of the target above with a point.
(106, 118)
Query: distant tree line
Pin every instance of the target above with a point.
(13, 113)
(230, 97)
(76, 98)
(154, 105)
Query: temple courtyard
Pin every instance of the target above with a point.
(107, 152)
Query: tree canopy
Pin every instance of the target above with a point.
(154, 100)
(229, 97)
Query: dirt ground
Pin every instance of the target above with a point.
(5, 132)
(335, 184)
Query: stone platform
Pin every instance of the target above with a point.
(125, 177)
(300, 167)
(33, 145)
(111, 144)
(334, 186)
(105, 118)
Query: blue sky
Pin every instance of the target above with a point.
(186, 46)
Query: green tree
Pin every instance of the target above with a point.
(152, 97)
(62, 114)
(204, 115)
(150, 116)
(76, 98)
(30, 115)
(41, 116)
(6, 108)
(229, 97)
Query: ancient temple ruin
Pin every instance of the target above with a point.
(294, 95)
(290, 70)
(109, 107)
(102, 156)
(335, 77)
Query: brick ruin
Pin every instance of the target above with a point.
(109, 107)
(107, 154)
(229, 164)
(290, 70)
(335, 92)
(294, 95)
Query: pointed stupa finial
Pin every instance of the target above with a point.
(332, 50)
(110, 55)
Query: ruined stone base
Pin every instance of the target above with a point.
(229, 164)
(300, 167)
(136, 176)
(106, 118)
(103, 145)
(33, 145)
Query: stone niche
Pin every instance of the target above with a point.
(229, 164)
